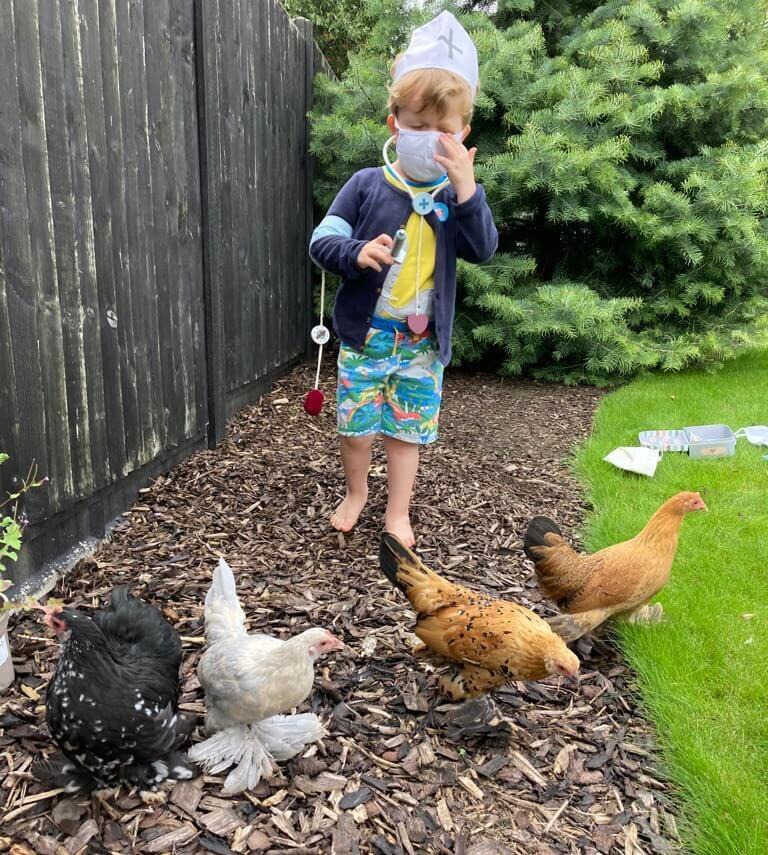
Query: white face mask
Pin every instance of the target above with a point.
(416, 152)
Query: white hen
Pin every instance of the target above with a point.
(249, 680)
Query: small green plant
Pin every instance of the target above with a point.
(12, 524)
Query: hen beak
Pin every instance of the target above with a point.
(336, 643)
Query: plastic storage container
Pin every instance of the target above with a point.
(710, 441)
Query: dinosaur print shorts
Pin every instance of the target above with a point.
(393, 387)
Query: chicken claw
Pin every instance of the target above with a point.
(646, 615)
(572, 627)
(476, 717)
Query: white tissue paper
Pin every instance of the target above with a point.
(757, 434)
(637, 459)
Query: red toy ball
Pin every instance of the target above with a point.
(313, 402)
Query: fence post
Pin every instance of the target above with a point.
(304, 26)
(206, 25)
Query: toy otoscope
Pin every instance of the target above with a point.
(398, 247)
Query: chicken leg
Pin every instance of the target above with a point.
(469, 682)
(646, 614)
(572, 627)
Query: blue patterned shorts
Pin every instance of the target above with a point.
(393, 387)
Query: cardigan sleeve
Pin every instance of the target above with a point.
(332, 246)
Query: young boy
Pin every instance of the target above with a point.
(395, 318)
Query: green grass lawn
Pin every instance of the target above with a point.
(703, 674)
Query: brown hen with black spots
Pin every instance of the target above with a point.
(494, 641)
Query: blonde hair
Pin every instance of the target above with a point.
(438, 88)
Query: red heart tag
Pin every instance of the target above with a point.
(313, 402)
(418, 323)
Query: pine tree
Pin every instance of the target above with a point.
(340, 26)
(624, 149)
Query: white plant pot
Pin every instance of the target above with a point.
(7, 673)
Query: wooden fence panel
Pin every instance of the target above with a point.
(155, 208)
(254, 70)
(100, 243)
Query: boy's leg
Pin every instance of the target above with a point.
(359, 397)
(409, 419)
(356, 459)
(402, 465)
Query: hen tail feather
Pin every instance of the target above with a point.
(560, 571)
(426, 590)
(539, 534)
(393, 553)
(402, 566)
(224, 615)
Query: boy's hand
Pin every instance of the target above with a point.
(460, 166)
(375, 253)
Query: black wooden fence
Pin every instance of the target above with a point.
(155, 205)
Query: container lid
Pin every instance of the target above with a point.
(664, 440)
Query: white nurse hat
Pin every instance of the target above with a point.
(441, 43)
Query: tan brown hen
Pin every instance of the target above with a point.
(618, 581)
(494, 641)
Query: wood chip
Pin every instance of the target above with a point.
(444, 815)
(170, 840)
(262, 499)
(87, 831)
(221, 822)
(327, 781)
(527, 769)
(471, 787)
(187, 795)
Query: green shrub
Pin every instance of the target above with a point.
(624, 149)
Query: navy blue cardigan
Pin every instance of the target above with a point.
(369, 205)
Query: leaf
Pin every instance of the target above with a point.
(31, 693)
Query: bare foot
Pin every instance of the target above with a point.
(401, 528)
(345, 517)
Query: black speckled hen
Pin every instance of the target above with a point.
(112, 702)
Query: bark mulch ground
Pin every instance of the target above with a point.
(568, 770)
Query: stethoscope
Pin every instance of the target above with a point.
(423, 203)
